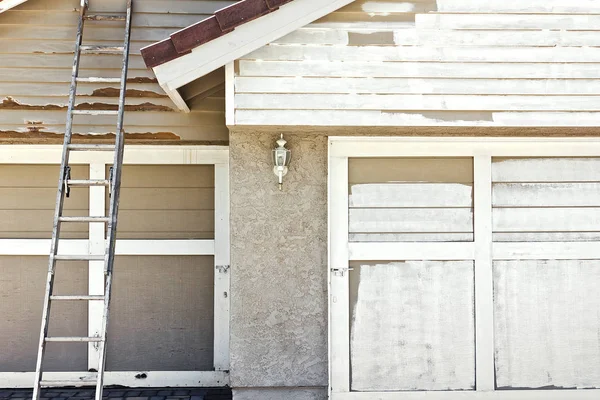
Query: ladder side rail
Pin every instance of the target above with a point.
(114, 201)
(58, 208)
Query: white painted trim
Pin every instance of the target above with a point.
(483, 250)
(41, 247)
(144, 155)
(97, 204)
(497, 395)
(463, 147)
(134, 154)
(8, 4)
(159, 247)
(222, 275)
(394, 251)
(243, 40)
(153, 379)
(484, 281)
(125, 247)
(339, 314)
(230, 94)
(176, 98)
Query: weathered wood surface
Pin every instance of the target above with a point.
(546, 199)
(403, 337)
(36, 54)
(427, 63)
(547, 323)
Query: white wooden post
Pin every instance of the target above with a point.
(96, 268)
(339, 314)
(484, 290)
(222, 268)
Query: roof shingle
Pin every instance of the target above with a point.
(224, 21)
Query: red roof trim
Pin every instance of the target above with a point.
(224, 21)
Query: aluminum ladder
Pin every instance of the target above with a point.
(65, 182)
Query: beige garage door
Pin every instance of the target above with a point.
(162, 309)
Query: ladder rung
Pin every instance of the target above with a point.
(88, 182)
(105, 17)
(83, 219)
(92, 147)
(102, 49)
(80, 382)
(83, 257)
(77, 297)
(73, 339)
(95, 112)
(99, 80)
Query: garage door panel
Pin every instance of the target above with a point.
(22, 282)
(410, 199)
(164, 304)
(547, 321)
(28, 197)
(557, 169)
(412, 326)
(37, 224)
(409, 169)
(168, 202)
(555, 194)
(411, 195)
(433, 220)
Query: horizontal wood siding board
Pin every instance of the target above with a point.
(417, 118)
(466, 54)
(421, 69)
(416, 102)
(518, 6)
(465, 86)
(508, 21)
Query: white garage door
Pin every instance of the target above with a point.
(464, 269)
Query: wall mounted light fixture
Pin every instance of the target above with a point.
(281, 160)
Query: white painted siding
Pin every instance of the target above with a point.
(36, 53)
(430, 63)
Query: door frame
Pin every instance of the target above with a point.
(219, 247)
(481, 251)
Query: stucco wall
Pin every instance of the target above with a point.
(279, 265)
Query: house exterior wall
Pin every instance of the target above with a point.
(37, 40)
(392, 63)
(279, 269)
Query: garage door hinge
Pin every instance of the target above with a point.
(222, 268)
(341, 271)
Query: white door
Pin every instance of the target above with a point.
(464, 268)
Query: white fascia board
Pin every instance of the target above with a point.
(243, 40)
(8, 4)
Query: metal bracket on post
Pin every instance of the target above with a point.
(341, 271)
(222, 268)
(66, 178)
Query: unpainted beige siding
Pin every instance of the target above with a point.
(162, 303)
(430, 63)
(37, 40)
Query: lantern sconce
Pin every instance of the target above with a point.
(281, 160)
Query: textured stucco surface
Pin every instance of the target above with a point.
(279, 264)
(280, 394)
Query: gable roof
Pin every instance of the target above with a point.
(8, 4)
(231, 33)
(222, 22)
